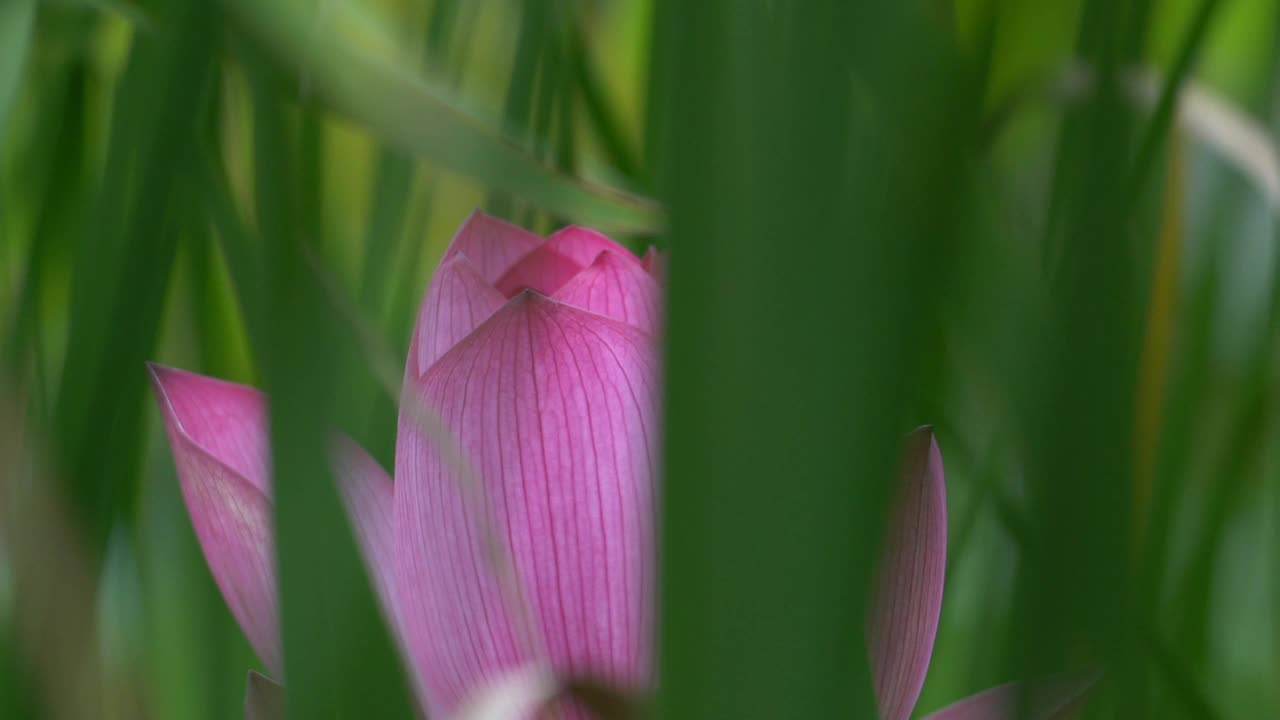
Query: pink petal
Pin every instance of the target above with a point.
(582, 245)
(554, 262)
(913, 568)
(458, 300)
(369, 495)
(263, 699)
(555, 407)
(492, 244)
(655, 263)
(616, 288)
(1057, 700)
(226, 419)
(218, 436)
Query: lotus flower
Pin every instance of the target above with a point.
(523, 537)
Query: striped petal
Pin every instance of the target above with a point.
(217, 431)
(226, 420)
(369, 495)
(555, 407)
(582, 245)
(553, 263)
(1058, 700)
(458, 300)
(618, 288)
(219, 436)
(492, 244)
(913, 568)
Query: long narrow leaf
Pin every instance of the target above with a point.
(337, 59)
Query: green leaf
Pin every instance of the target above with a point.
(17, 19)
(124, 261)
(804, 277)
(339, 658)
(348, 59)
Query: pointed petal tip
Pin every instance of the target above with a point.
(478, 215)
(524, 303)
(263, 698)
(531, 301)
(165, 381)
(574, 230)
(912, 577)
(529, 296)
(459, 298)
(159, 374)
(218, 437)
(493, 244)
(194, 404)
(922, 447)
(553, 263)
(616, 287)
(606, 258)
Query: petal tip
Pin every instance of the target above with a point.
(492, 243)
(159, 374)
(163, 379)
(605, 258)
(529, 296)
(923, 433)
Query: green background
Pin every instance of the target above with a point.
(879, 215)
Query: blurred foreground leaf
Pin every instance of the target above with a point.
(341, 52)
(17, 17)
(339, 658)
(813, 165)
(124, 260)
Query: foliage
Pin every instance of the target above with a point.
(963, 213)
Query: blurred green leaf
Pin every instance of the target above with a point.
(339, 659)
(17, 18)
(1157, 131)
(343, 56)
(798, 142)
(124, 262)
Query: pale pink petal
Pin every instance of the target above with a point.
(618, 288)
(369, 495)
(458, 300)
(1057, 700)
(543, 270)
(553, 263)
(582, 245)
(908, 601)
(556, 408)
(492, 244)
(655, 263)
(263, 699)
(227, 420)
(217, 434)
